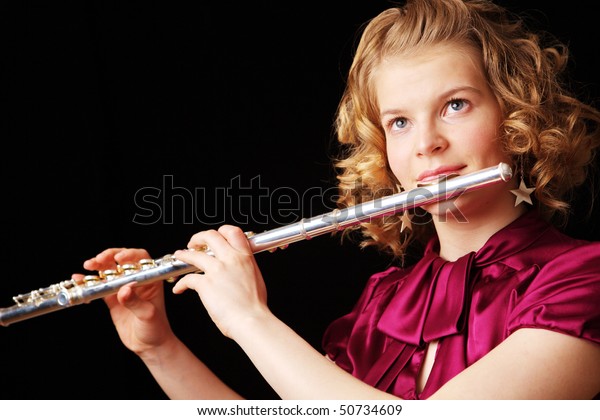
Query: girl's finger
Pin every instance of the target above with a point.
(235, 237)
(210, 239)
(200, 259)
(189, 281)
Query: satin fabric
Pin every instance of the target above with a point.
(526, 275)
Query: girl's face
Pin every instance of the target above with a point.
(440, 117)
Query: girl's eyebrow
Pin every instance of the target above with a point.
(454, 91)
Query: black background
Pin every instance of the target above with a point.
(103, 99)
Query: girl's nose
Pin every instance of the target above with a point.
(430, 140)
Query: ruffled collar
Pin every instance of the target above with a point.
(432, 301)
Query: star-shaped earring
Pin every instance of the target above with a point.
(523, 193)
(405, 219)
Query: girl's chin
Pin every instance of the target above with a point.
(448, 210)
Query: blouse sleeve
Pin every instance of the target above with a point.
(337, 335)
(563, 297)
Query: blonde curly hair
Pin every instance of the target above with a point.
(545, 127)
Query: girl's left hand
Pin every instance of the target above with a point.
(231, 287)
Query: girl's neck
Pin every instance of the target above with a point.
(459, 238)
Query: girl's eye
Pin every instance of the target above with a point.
(456, 105)
(398, 123)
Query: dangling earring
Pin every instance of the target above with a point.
(523, 193)
(406, 217)
(406, 223)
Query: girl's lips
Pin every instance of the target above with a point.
(437, 175)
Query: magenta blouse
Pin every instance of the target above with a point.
(527, 275)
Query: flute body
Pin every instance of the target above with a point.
(70, 292)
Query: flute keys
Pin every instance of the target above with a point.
(128, 268)
(90, 280)
(271, 250)
(146, 263)
(109, 274)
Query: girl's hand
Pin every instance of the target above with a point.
(231, 287)
(138, 313)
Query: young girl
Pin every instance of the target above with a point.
(500, 305)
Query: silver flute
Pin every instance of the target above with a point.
(72, 292)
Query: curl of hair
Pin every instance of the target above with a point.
(546, 127)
